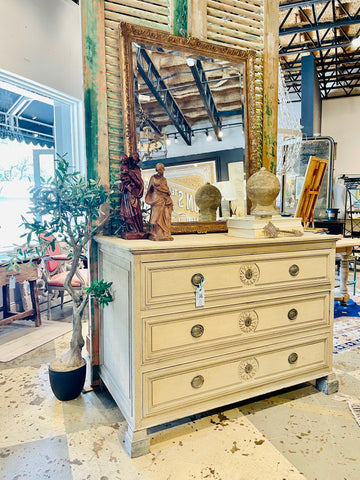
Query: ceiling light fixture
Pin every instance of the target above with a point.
(355, 42)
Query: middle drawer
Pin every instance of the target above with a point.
(177, 334)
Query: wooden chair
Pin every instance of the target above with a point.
(55, 273)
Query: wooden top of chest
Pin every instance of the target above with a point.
(218, 241)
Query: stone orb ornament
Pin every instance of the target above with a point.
(262, 188)
(207, 198)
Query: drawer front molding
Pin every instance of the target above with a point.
(174, 335)
(174, 282)
(171, 388)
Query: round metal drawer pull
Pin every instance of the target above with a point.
(294, 270)
(197, 381)
(248, 274)
(292, 314)
(197, 331)
(248, 321)
(292, 358)
(248, 368)
(197, 279)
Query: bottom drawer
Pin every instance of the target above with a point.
(184, 385)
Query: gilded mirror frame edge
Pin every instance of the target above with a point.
(129, 33)
(133, 33)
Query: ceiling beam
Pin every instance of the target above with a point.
(205, 94)
(144, 118)
(330, 61)
(344, 22)
(328, 79)
(304, 3)
(326, 45)
(158, 88)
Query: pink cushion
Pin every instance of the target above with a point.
(59, 279)
(54, 253)
(52, 264)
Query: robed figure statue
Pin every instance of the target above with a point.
(158, 197)
(132, 188)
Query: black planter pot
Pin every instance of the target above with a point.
(67, 385)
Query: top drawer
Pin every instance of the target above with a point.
(170, 282)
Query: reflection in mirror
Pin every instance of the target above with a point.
(185, 103)
(188, 104)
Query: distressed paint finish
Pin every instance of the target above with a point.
(95, 102)
(271, 60)
(197, 19)
(96, 133)
(179, 19)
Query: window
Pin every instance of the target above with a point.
(35, 122)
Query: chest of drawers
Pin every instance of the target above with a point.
(266, 322)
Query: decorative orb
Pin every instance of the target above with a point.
(207, 198)
(262, 188)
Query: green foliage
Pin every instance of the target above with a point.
(25, 255)
(100, 292)
(17, 171)
(70, 207)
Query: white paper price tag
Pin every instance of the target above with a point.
(12, 282)
(200, 297)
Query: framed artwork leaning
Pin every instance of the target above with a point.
(183, 181)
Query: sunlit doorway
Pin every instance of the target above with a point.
(36, 122)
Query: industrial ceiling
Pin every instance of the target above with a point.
(326, 30)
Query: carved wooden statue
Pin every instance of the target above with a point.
(158, 197)
(132, 188)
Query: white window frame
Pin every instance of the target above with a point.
(68, 111)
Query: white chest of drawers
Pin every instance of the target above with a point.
(266, 323)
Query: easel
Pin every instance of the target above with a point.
(310, 191)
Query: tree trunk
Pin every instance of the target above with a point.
(72, 358)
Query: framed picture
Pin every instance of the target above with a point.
(183, 181)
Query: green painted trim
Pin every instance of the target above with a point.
(91, 140)
(91, 59)
(180, 13)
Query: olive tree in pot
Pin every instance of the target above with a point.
(71, 209)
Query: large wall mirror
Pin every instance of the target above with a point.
(190, 105)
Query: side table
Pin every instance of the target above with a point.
(27, 272)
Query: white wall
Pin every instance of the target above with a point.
(340, 120)
(41, 41)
